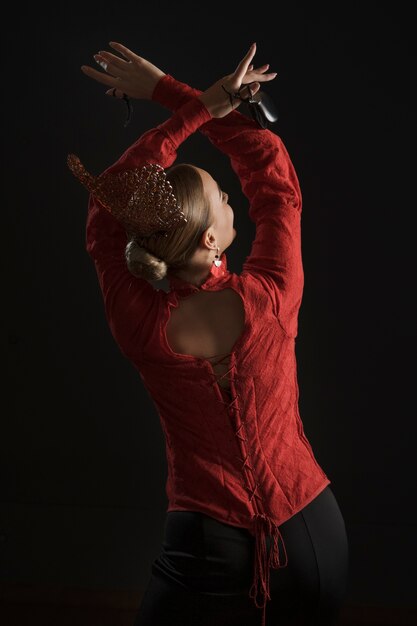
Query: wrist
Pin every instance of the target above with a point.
(159, 82)
(216, 103)
(159, 75)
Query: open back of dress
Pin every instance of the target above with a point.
(207, 325)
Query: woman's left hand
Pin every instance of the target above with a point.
(134, 75)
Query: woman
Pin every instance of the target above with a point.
(251, 516)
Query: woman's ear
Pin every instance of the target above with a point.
(208, 239)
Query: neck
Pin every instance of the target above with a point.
(193, 276)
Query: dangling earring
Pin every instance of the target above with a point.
(217, 261)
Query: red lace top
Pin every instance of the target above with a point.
(240, 457)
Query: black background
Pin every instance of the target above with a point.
(83, 466)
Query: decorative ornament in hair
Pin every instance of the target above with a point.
(141, 198)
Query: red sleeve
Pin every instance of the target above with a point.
(129, 301)
(269, 181)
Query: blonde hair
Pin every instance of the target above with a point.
(150, 257)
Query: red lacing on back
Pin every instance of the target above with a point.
(263, 525)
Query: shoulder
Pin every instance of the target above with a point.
(254, 288)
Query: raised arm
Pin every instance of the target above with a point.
(269, 181)
(260, 160)
(128, 300)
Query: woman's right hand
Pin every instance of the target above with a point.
(134, 76)
(217, 98)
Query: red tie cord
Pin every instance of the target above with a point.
(263, 525)
(262, 564)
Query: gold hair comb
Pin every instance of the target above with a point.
(141, 198)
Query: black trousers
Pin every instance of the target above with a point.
(204, 571)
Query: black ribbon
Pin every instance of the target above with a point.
(260, 106)
(128, 104)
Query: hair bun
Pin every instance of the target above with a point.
(143, 264)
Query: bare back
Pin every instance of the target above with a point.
(207, 325)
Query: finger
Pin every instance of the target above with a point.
(247, 92)
(252, 75)
(115, 93)
(251, 89)
(261, 68)
(98, 76)
(107, 67)
(265, 77)
(242, 68)
(128, 54)
(117, 62)
(255, 76)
